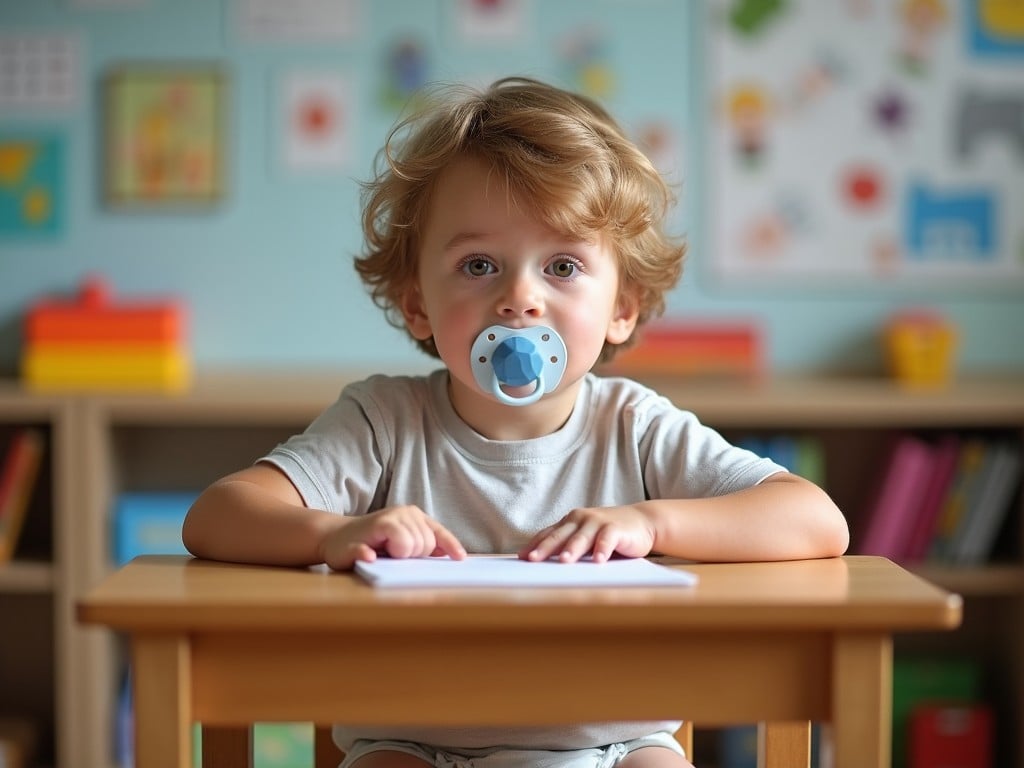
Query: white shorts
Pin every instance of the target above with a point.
(596, 757)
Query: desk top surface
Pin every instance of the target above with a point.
(172, 593)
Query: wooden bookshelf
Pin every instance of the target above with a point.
(101, 445)
(36, 601)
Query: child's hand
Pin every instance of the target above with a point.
(396, 532)
(601, 531)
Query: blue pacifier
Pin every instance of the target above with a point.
(518, 357)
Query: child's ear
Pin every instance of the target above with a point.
(623, 321)
(415, 314)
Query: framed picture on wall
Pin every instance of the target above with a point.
(164, 135)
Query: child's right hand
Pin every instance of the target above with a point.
(400, 532)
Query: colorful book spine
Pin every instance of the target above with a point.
(961, 494)
(17, 482)
(898, 498)
(989, 506)
(944, 464)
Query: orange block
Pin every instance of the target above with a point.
(94, 318)
(693, 348)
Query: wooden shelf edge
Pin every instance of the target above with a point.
(27, 577)
(994, 580)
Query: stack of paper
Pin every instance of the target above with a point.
(510, 571)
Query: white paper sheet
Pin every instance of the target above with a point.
(513, 572)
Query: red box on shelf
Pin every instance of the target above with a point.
(951, 736)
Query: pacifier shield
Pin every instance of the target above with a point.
(518, 357)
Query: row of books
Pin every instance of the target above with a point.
(801, 454)
(942, 500)
(20, 462)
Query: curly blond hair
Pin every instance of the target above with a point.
(560, 153)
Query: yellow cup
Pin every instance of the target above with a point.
(920, 348)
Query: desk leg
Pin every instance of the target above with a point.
(163, 701)
(862, 700)
(784, 745)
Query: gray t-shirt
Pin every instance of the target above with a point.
(397, 440)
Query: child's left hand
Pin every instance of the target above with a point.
(599, 531)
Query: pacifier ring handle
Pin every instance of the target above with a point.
(533, 397)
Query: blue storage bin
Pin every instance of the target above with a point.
(149, 523)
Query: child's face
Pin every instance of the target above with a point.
(484, 261)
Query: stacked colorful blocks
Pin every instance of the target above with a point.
(94, 343)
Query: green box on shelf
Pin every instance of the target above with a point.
(919, 680)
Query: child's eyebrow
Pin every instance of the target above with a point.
(463, 237)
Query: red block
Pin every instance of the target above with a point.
(93, 317)
(950, 736)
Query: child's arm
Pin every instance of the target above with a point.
(257, 516)
(785, 517)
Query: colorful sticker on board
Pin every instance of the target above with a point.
(950, 225)
(922, 22)
(766, 234)
(981, 116)
(891, 112)
(996, 27)
(817, 79)
(862, 188)
(750, 17)
(748, 108)
(31, 186)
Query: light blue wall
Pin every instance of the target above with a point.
(267, 274)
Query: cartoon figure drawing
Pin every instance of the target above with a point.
(747, 111)
(922, 20)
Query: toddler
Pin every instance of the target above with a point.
(516, 235)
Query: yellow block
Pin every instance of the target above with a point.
(50, 368)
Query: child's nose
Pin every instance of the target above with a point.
(521, 297)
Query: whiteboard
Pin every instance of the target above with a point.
(853, 141)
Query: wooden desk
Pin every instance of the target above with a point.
(229, 645)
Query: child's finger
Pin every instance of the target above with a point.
(550, 541)
(446, 541)
(605, 542)
(578, 544)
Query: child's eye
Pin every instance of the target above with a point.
(477, 267)
(564, 268)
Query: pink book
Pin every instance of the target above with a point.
(896, 505)
(946, 457)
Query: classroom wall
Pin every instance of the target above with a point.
(266, 271)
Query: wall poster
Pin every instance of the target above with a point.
(164, 136)
(862, 141)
